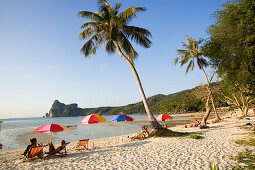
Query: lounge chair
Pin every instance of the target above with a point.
(60, 151)
(199, 119)
(140, 136)
(35, 152)
(83, 144)
(143, 135)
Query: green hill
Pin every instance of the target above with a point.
(191, 100)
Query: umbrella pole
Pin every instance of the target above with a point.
(122, 132)
(50, 136)
(92, 136)
(164, 123)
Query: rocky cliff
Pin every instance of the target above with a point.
(59, 109)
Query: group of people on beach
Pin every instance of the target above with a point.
(52, 149)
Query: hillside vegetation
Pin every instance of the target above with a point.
(191, 100)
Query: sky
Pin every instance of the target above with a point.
(40, 59)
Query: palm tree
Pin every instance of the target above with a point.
(109, 27)
(191, 54)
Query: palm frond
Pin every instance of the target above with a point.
(117, 7)
(175, 60)
(130, 13)
(189, 67)
(199, 63)
(138, 35)
(110, 47)
(92, 44)
(91, 15)
(204, 62)
(90, 31)
(127, 47)
(185, 59)
(86, 24)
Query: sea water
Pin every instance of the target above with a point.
(12, 128)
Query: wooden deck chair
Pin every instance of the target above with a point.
(59, 151)
(140, 136)
(199, 119)
(84, 144)
(35, 152)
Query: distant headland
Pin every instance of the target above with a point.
(191, 100)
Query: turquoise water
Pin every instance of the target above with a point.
(12, 128)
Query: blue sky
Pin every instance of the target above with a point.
(40, 58)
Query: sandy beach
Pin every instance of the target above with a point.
(154, 153)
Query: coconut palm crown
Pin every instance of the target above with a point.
(108, 26)
(191, 53)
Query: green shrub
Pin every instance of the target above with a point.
(213, 167)
(196, 136)
(245, 160)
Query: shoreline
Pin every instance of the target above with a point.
(179, 119)
(152, 153)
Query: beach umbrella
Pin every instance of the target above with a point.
(50, 128)
(164, 117)
(122, 117)
(91, 119)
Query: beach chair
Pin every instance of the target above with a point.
(60, 151)
(83, 144)
(199, 119)
(35, 152)
(140, 136)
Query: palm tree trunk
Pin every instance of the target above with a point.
(208, 111)
(217, 118)
(154, 123)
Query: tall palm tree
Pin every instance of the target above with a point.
(191, 54)
(111, 28)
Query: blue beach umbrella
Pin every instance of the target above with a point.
(121, 118)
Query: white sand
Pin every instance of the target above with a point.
(154, 153)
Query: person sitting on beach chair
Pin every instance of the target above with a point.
(55, 151)
(143, 135)
(83, 143)
(36, 151)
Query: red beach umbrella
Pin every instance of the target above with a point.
(49, 128)
(164, 117)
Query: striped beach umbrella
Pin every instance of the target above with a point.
(91, 119)
(164, 117)
(121, 118)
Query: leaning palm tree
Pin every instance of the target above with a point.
(191, 54)
(111, 28)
